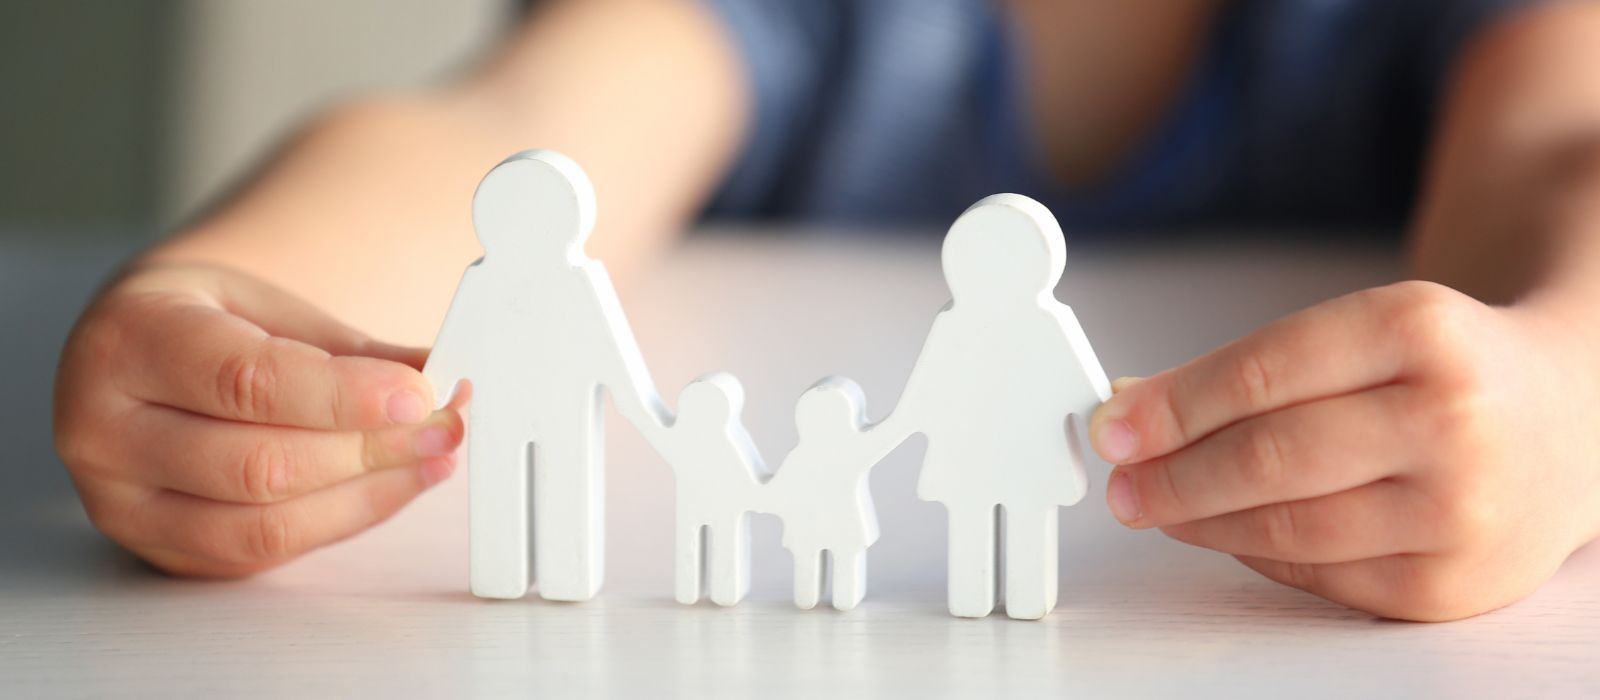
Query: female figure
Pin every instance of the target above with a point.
(1003, 368)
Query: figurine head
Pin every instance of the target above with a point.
(710, 401)
(534, 207)
(1003, 249)
(831, 406)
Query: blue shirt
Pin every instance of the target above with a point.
(1311, 113)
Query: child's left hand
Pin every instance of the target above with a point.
(1405, 450)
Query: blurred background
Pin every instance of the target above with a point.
(118, 119)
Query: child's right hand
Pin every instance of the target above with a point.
(218, 426)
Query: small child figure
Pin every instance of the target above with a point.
(821, 492)
(717, 470)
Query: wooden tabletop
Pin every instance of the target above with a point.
(387, 613)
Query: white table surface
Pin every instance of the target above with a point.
(387, 613)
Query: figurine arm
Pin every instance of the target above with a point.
(626, 377)
(881, 438)
(749, 454)
(448, 364)
(647, 414)
(903, 423)
(1088, 386)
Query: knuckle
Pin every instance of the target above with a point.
(1455, 420)
(99, 340)
(120, 519)
(270, 536)
(112, 522)
(1418, 290)
(79, 407)
(1170, 502)
(1432, 320)
(1261, 459)
(1176, 417)
(1280, 533)
(74, 445)
(264, 475)
(245, 384)
(87, 450)
(336, 405)
(1254, 375)
(1301, 576)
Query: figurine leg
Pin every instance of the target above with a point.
(807, 578)
(730, 560)
(1031, 562)
(971, 578)
(568, 517)
(498, 526)
(849, 578)
(688, 561)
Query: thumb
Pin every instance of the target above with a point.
(282, 314)
(407, 355)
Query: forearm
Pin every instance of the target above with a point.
(1507, 212)
(367, 211)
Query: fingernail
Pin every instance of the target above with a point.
(1122, 499)
(406, 407)
(1116, 441)
(436, 470)
(434, 442)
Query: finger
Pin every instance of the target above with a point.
(1401, 586)
(244, 535)
(1300, 452)
(251, 463)
(1334, 348)
(205, 360)
(286, 315)
(1371, 521)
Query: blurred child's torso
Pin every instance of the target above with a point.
(1140, 114)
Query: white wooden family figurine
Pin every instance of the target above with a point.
(537, 331)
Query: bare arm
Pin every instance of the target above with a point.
(367, 211)
(1503, 215)
(216, 425)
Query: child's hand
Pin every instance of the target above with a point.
(1405, 450)
(209, 429)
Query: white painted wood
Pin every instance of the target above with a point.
(1004, 368)
(716, 473)
(821, 494)
(536, 331)
(386, 614)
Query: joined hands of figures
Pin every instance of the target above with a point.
(1004, 367)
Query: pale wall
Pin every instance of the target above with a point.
(245, 72)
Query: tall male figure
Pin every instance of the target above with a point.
(536, 330)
